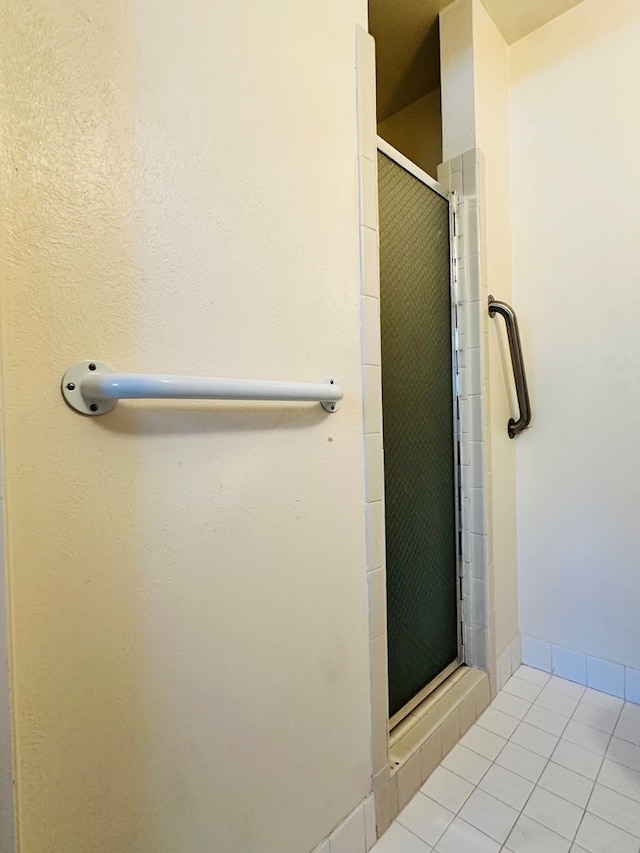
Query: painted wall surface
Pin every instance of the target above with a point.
(576, 209)
(491, 67)
(457, 79)
(187, 581)
(416, 131)
(7, 797)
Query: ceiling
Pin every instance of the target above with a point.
(407, 44)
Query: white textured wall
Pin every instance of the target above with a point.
(416, 131)
(576, 211)
(187, 583)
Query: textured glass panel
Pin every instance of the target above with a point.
(417, 398)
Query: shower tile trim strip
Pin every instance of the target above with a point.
(372, 417)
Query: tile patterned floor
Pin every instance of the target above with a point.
(550, 767)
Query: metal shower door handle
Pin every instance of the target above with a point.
(514, 427)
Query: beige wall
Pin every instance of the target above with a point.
(188, 597)
(416, 131)
(457, 79)
(576, 191)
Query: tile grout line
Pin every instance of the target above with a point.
(605, 737)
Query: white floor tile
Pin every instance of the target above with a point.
(604, 721)
(602, 700)
(425, 818)
(531, 837)
(461, 837)
(546, 720)
(463, 762)
(507, 787)
(576, 758)
(567, 784)
(535, 676)
(587, 737)
(617, 809)
(446, 788)
(522, 689)
(628, 730)
(566, 688)
(524, 800)
(536, 740)
(554, 813)
(489, 815)
(557, 702)
(621, 779)
(483, 742)
(598, 836)
(499, 723)
(630, 711)
(397, 839)
(624, 753)
(521, 761)
(511, 705)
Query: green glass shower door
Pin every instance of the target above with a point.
(419, 445)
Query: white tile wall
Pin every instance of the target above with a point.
(606, 677)
(632, 685)
(569, 664)
(375, 535)
(349, 836)
(370, 330)
(374, 467)
(368, 198)
(409, 777)
(383, 805)
(371, 380)
(536, 653)
(370, 835)
(464, 175)
(369, 262)
(600, 675)
(355, 834)
(377, 610)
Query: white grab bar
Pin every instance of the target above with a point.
(91, 388)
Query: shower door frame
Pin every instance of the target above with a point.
(452, 200)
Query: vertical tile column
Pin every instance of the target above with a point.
(464, 175)
(385, 792)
